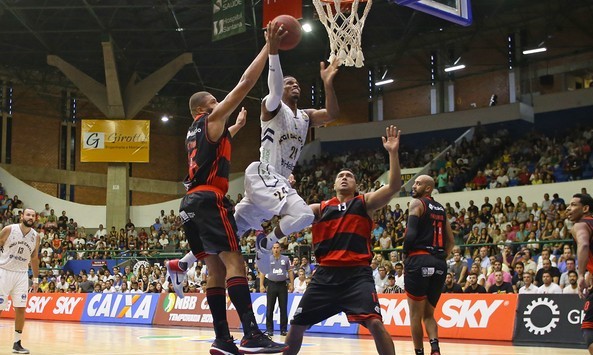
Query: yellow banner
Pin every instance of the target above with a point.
(115, 141)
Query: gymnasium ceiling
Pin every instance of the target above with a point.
(145, 36)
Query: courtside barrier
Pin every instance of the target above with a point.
(525, 319)
(133, 308)
(191, 310)
(459, 316)
(336, 324)
(52, 306)
(550, 319)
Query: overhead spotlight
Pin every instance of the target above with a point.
(384, 82)
(165, 118)
(454, 68)
(307, 27)
(535, 50)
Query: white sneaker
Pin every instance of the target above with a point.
(176, 275)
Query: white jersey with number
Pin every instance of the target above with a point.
(15, 255)
(282, 139)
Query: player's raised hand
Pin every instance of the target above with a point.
(328, 72)
(241, 118)
(274, 34)
(391, 139)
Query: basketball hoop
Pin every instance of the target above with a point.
(344, 28)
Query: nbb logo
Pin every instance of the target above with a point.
(114, 307)
(172, 302)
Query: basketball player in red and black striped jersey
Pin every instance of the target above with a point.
(343, 281)
(579, 211)
(207, 213)
(428, 240)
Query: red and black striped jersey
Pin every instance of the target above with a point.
(342, 234)
(208, 162)
(589, 222)
(431, 229)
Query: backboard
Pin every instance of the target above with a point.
(457, 11)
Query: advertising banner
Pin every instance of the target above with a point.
(51, 306)
(549, 319)
(228, 18)
(459, 316)
(191, 310)
(134, 308)
(117, 141)
(336, 324)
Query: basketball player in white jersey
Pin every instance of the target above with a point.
(19, 246)
(268, 191)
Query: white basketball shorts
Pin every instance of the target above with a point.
(15, 284)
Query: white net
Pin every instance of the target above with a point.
(344, 27)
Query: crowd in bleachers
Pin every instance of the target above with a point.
(486, 161)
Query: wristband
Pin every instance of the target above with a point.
(36, 280)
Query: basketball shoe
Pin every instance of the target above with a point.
(224, 347)
(177, 276)
(18, 349)
(259, 343)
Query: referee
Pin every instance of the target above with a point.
(279, 282)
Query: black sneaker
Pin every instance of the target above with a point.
(259, 343)
(18, 349)
(269, 333)
(284, 333)
(224, 347)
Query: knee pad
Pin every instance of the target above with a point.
(588, 336)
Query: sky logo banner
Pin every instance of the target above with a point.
(336, 324)
(48, 306)
(459, 316)
(120, 308)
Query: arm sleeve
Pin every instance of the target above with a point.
(411, 232)
(275, 83)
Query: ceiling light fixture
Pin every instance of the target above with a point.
(165, 118)
(454, 68)
(384, 82)
(535, 50)
(307, 27)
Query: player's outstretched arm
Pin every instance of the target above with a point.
(220, 114)
(380, 198)
(239, 123)
(271, 103)
(332, 109)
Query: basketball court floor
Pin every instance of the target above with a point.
(46, 338)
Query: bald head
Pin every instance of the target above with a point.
(423, 186)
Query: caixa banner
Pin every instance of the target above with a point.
(335, 324)
(459, 316)
(549, 318)
(128, 308)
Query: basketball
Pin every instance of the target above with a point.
(292, 25)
